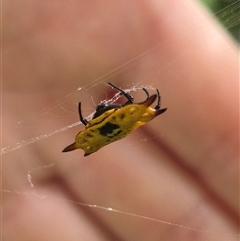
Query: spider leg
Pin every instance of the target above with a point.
(158, 106)
(122, 92)
(146, 92)
(83, 120)
(158, 109)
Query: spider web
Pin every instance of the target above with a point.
(62, 116)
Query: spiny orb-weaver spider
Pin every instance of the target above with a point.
(112, 122)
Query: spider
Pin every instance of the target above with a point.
(112, 122)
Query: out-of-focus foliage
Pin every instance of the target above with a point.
(228, 13)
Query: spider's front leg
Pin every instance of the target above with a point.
(83, 120)
(122, 92)
(158, 106)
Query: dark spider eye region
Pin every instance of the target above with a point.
(103, 108)
(109, 129)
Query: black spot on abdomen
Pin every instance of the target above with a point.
(109, 130)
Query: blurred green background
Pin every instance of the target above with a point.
(228, 13)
